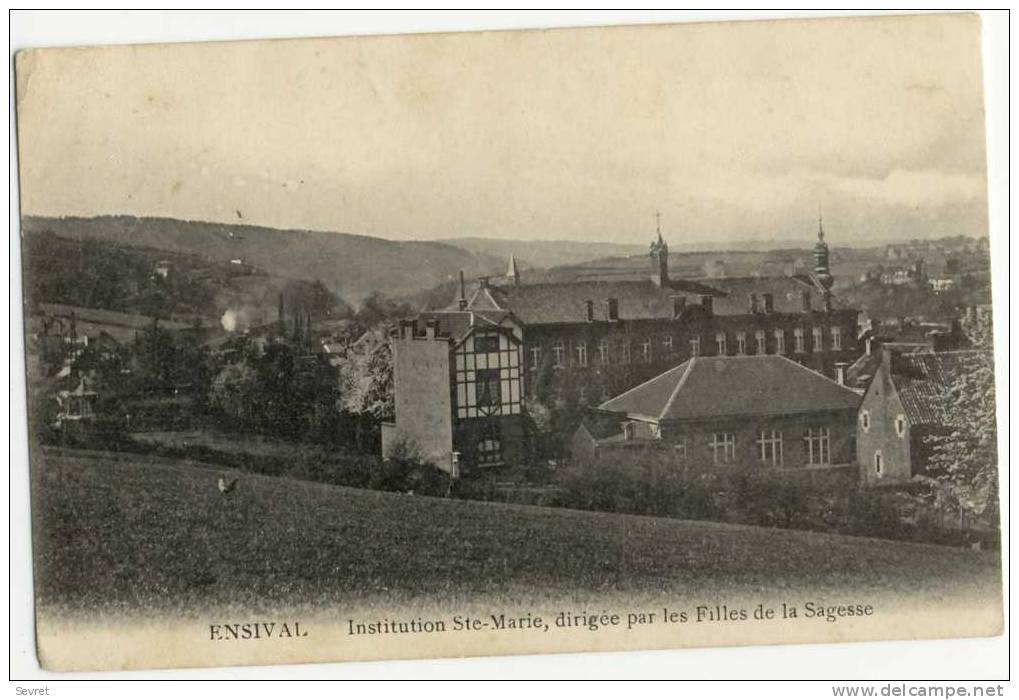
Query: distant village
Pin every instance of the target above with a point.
(826, 370)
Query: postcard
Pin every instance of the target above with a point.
(509, 342)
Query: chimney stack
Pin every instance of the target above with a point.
(678, 304)
(840, 373)
(753, 303)
(589, 310)
(708, 303)
(462, 302)
(769, 302)
(805, 295)
(408, 329)
(869, 344)
(613, 308)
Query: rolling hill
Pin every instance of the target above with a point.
(350, 265)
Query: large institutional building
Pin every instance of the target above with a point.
(463, 373)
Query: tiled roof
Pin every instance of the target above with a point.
(705, 387)
(640, 298)
(922, 381)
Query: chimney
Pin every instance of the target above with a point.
(408, 329)
(840, 372)
(462, 302)
(613, 309)
(431, 328)
(589, 310)
(805, 295)
(869, 344)
(769, 303)
(753, 303)
(708, 303)
(678, 304)
(483, 282)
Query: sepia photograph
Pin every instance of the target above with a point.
(487, 343)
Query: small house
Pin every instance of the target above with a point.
(760, 411)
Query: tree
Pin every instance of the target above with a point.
(366, 376)
(963, 462)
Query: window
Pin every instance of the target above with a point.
(581, 349)
(489, 446)
(741, 343)
(720, 342)
(695, 346)
(628, 430)
(798, 339)
(558, 355)
(535, 353)
(780, 342)
(818, 446)
(762, 347)
(723, 448)
(645, 350)
(488, 387)
(900, 425)
(879, 463)
(667, 343)
(865, 420)
(625, 355)
(769, 447)
(818, 339)
(486, 343)
(603, 352)
(836, 338)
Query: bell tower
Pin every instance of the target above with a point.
(659, 256)
(821, 269)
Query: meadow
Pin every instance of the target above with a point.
(134, 533)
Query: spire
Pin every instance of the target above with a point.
(821, 261)
(659, 255)
(512, 273)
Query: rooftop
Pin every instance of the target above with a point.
(707, 387)
(923, 381)
(640, 298)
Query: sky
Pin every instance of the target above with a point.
(733, 131)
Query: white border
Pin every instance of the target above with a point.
(978, 658)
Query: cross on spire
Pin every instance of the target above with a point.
(820, 224)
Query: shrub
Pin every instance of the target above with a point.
(647, 483)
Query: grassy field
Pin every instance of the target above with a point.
(126, 532)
